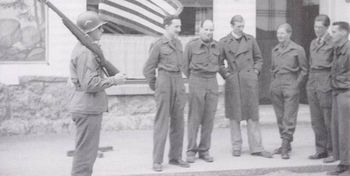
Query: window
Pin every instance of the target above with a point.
(193, 13)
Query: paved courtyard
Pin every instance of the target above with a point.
(46, 154)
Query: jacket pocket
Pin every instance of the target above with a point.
(167, 53)
(215, 57)
(198, 56)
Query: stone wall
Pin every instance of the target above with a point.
(38, 105)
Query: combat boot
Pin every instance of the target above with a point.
(279, 149)
(285, 149)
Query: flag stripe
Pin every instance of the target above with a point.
(158, 21)
(168, 8)
(149, 6)
(145, 16)
(132, 17)
(129, 23)
(141, 10)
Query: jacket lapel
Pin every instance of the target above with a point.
(242, 47)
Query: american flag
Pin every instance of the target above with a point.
(144, 16)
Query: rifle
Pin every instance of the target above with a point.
(86, 40)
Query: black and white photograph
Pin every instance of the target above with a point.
(174, 87)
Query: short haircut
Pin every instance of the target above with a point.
(324, 18)
(287, 27)
(169, 19)
(342, 26)
(202, 22)
(236, 18)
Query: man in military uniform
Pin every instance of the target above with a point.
(340, 81)
(165, 57)
(200, 66)
(244, 61)
(289, 71)
(318, 87)
(89, 100)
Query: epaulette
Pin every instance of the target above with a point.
(192, 40)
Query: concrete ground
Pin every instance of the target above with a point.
(132, 154)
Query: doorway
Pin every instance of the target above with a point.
(300, 15)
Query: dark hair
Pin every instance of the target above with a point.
(236, 18)
(324, 18)
(342, 26)
(287, 27)
(169, 19)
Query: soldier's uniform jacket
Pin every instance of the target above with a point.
(341, 66)
(164, 55)
(89, 96)
(201, 58)
(321, 53)
(290, 59)
(241, 87)
(321, 58)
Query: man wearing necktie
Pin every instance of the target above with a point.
(319, 89)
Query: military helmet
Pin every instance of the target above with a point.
(89, 21)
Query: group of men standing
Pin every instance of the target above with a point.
(238, 59)
(328, 90)
(202, 59)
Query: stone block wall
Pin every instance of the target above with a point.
(36, 105)
(39, 105)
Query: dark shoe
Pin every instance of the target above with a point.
(157, 167)
(264, 154)
(179, 162)
(236, 153)
(190, 158)
(329, 159)
(339, 170)
(279, 150)
(285, 155)
(318, 156)
(206, 158)
(285, 149)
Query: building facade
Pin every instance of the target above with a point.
(129, 51)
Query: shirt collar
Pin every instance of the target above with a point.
(211, 43)
(235, 36)
(323, 38)
(340, 45)
(284, 45)
(287, 46)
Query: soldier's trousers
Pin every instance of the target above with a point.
(88, 127)
(203, 100)
(254, 135)
(341, 126)
(320, 103)
(285, 101)
(170, 99)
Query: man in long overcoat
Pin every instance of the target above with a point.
(244, 61)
